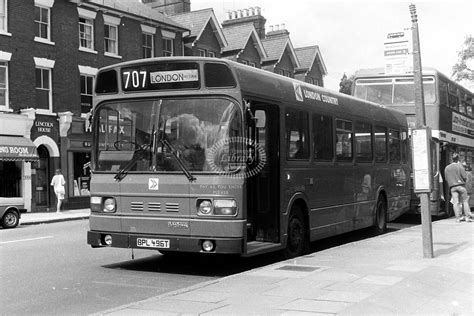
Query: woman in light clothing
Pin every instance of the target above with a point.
(58, 183)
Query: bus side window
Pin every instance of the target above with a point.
(394, 145)
(443, 93)
(363, 142)
(297, 134)
(344, 140)
(323, 142)
(380, 144)
(404, 150)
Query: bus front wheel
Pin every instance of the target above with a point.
(380, 226)
(297, 242)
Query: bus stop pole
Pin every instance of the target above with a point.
(427, 234)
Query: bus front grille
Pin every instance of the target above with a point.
(154, 207)
(136, 206)
(172, 207)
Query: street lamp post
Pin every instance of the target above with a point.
(421, 125)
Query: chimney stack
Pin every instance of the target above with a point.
(247, 15)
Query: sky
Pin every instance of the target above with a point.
(351, 33)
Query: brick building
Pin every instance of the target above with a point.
(50, 51)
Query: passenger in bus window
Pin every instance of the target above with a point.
(456, 177)
(300, 152)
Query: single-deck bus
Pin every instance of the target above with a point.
(207, 155)
(449, 113)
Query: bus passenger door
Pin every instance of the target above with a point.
(263, 176)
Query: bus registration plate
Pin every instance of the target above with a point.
(153, 243)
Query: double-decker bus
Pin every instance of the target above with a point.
(449, 114)
(205, 155)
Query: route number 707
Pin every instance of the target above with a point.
(135, 79)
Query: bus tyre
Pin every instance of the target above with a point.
(10, 219)
(297, 242)
(380, 226)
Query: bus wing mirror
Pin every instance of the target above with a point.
(260, 118)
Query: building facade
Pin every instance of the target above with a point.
(50, 51)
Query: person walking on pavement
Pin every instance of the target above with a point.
(58, 183)
(456, 177)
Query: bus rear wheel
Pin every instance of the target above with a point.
(380, 226)
(297, 242)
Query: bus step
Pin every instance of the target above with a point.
(258, 247)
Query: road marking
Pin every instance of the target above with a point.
(21, 240)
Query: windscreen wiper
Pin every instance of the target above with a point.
(174, 151)
(139, 154)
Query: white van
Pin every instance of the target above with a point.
(10, 213)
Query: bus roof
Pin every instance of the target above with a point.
(271, 87)
(380, 72)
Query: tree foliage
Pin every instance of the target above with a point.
(464, 68)
(345, 86)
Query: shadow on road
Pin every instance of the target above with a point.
(224, 265)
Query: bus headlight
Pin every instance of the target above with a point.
(225, 207)
(204, 207)
(109, 205)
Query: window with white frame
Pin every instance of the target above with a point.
(167, 46)
(148, 41)
(111, 38)
(42, 22)
(87, 82)
(148, 50)
(168, 42)
(3, 84)
(86, 29)
(3, 16)
(43, 89)
(211, 54)
(202, 52)
(86, 33)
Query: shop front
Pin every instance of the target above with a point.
(17, 152)
(77, 149)
(45, 134)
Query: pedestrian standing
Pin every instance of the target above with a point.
(58, 183)
(456, 177)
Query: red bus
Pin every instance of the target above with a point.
(449, 113)
(207, 155)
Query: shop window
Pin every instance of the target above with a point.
(81, 174)
(10, 179)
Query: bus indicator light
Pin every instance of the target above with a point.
(225, 207)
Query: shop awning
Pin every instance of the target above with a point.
(14, 148)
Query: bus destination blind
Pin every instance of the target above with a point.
(160, 77)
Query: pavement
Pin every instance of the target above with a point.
(382, 275)
(32, 218)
